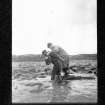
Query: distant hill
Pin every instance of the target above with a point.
(27, 57)
(37, 58)
(84, 57)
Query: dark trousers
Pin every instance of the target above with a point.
(56, 69)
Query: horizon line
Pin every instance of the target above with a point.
(40, 54)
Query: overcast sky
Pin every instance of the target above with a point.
(70, 24)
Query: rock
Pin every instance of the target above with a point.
(78, 77)
(42, 73)
(42, 76)
(17, 76)
(90, 72)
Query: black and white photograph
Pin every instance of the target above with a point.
(54, 51)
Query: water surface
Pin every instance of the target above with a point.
(45, 91)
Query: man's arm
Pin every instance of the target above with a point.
(56, 56)
(55, 49)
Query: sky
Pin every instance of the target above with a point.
(70, 24)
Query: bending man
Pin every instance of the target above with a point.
(63, 55)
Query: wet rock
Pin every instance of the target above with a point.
(42, 76)
(95, 72)
(38, 90)
(34, 76)
(33, 84)
(74, 77)
(32, 70)
(90, 72)
(17, 76)
(83, 68)
(38, 70)
(43, 73)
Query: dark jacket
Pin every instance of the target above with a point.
(55, 59)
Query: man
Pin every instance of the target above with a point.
(62, 54)
(53, 58)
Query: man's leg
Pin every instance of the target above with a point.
(53, 74)
(56, 69)
(66, 68)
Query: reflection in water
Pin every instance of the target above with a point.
(74, 91)
(60, 92)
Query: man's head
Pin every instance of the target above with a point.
(46, 57)
(49, 45)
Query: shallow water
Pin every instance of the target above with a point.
(31, 85)
(43, 90)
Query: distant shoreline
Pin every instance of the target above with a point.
(37, 58)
